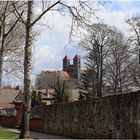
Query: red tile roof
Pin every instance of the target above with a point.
(66, 57)
(76, 57)
(6, 105)
(7, 87)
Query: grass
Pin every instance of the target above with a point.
(6, 134)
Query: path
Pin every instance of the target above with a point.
(38, 135)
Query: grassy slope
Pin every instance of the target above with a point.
(5, 134)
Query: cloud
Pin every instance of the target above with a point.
(46, 58)
(116, 17)
(50, 47)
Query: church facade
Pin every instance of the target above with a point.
(72, 69)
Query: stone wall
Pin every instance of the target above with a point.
(115, 116)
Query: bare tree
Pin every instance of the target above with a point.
(46, 78)
(97, 42)
(78, 16)
(118, 64)
(135, 74)
(134, 23)
(108, 59)
(10, 35)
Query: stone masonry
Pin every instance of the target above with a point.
(116, 116)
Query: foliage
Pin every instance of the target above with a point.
(83, 95)
(61, 92)
(68, 95)
(36, 98)
(87, 79)
(5, 134)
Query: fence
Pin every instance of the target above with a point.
(36, 123)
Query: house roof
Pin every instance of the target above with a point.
(6, 106)
(8, 95)
(7, 87)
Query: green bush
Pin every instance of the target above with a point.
(62, 93)
(36, 98)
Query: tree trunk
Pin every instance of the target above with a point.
(120, 80)
(27, 74)
(101, 72)
(98, 70)
(2, 37)
(1, 60)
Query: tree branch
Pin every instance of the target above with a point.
(44, 13)
(19, 15)
(13, 25)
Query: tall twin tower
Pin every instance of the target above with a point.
(72, 69)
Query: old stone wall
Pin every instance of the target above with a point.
(115, 116)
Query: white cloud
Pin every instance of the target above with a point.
(46, 58)
(117, 17)
(51, 43)
(50, 47)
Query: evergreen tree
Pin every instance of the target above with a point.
(36, 98)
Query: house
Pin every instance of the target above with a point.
(11, 102)
(7, 95)
(7, 109)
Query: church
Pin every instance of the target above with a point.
(72, 69)
(69, 72)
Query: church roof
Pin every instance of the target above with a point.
(76, 57)
(66, 57)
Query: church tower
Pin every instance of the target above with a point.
(77, 66)
(66, 63)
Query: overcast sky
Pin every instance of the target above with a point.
(52, 44)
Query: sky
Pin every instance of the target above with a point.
(52, 43)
